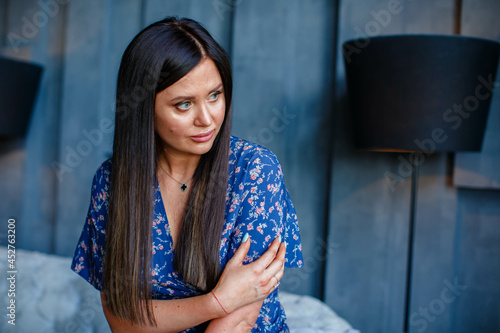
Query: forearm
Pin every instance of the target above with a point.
(238, 321)
(171, 315)
(241, 290)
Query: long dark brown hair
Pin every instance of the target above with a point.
(156, 58)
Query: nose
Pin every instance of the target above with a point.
(203, 116)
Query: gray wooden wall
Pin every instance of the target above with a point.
(289, 95)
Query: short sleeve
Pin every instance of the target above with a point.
(265, 210)
(89, 253)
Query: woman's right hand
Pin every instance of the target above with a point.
(240, 284)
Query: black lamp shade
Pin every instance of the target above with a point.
(420, 92)
(18, 87)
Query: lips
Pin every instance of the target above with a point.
(203, 137)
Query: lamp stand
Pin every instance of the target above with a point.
(415, 162)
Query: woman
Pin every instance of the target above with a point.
(222, 229)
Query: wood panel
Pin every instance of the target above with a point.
(12, 156)
(369, 210)
(96, 38)
(86, 31)
(435, 232)
(215, 16)
(477, 262)
(41, 147)
(440, 235)
(35, 35)
(364, 211)
(436, 203)
(12, 151)
(480, 170)
(477, 243)
(282, 57)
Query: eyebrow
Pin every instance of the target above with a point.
(182, 98)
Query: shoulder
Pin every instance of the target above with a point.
(102, 174)
(100, 190)
(104, 168)
(244, 154)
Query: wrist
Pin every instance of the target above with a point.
(218, 303)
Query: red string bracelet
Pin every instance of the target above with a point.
(219, 302)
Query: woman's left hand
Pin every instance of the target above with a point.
(240, 284)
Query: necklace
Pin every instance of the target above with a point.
(184, 185)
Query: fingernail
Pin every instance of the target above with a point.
(285, 244)
(245, 237)
(280, 238)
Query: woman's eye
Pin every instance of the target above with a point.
(214, 96)
(183, 105)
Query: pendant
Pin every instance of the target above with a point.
(184, 187)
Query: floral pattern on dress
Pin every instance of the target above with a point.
(257, 203)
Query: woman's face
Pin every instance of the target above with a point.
(189, 113)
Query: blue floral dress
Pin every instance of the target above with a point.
(257, 203)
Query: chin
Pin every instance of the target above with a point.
(201, 148)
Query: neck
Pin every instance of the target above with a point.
(181, 167)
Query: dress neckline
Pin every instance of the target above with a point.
(163, 212)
